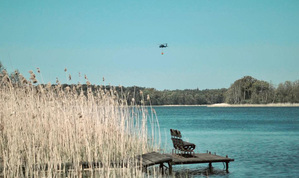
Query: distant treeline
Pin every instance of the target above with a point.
(151, 96)
(246, 90)
(249, 90)
(177, 97)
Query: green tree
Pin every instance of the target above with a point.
(234, 93)
(284, 92)
(262, 92)
(296, 91)
(249, 90)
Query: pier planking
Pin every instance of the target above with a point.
(198, 158)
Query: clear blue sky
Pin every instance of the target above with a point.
(211, 43)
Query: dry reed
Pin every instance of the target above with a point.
(45, 127)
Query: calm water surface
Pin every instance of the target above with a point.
(263, 141)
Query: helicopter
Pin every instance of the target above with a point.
(163, 45)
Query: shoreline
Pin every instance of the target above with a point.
(236, 105)
(256, 105)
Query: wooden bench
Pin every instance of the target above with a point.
(180, 146)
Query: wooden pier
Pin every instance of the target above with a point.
(153, 158)
(189, 156)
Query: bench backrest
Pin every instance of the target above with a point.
(176, 138)
(175, 133)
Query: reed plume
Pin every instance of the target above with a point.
(45, 128)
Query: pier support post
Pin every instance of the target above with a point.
(227, 167)
(170, 167)
(210, 167)
(144, 168)
(161, 168)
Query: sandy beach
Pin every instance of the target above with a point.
(255, 105)
(237, 105)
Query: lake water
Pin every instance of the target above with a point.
(264, 141)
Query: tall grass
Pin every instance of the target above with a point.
(45, 127)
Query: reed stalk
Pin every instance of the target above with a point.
(45, 128)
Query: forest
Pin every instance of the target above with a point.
(246, 90)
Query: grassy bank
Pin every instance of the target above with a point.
(45, 127)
